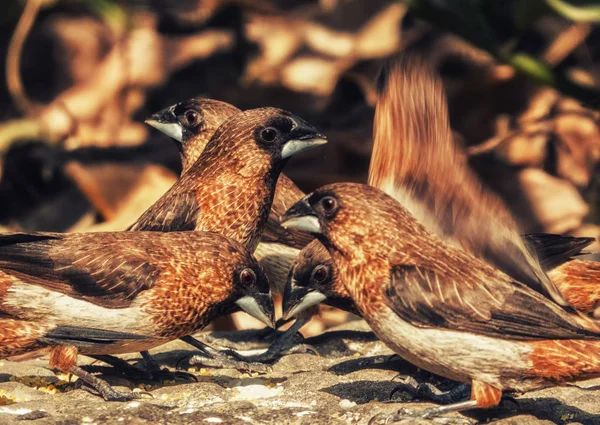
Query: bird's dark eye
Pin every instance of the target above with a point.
(319, 274)
(329, 204)
(268, 134)
(248, 277)
(192, 117)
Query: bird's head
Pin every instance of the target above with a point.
(191, 124)
(260, 139)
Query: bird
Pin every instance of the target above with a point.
(100, 294)
(313, 280)
(442, 308)
(191, 123)
(243, 168)
(415, 157)
(416, 160)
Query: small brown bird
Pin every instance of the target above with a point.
(416, 160)
(232, 184)
(100, 294)
(191, 124)
(313, 279)
(440, 307)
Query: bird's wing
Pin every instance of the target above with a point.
(554, 250)
(87, 337)
(106, 269)
(176, 211)
(417, 161)
(488, 305)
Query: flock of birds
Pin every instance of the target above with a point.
(431, 259)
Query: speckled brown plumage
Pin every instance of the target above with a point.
(577, 280)
(198, 119)
(120, 292)
(158, 285)
(229, 189)
(416, 160)
(439, 307)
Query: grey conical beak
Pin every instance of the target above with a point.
(301, 216)
(166, 122)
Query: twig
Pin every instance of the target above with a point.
(565, 43)
(13, 60)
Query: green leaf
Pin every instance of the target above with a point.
(583, 13)
(534, 68)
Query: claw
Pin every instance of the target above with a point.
(429, 414)
(226, 362)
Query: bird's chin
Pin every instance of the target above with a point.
(307, 301)
(307, 223)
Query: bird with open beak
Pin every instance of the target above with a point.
(416, 161)
(100, 294)
(191, 124)
(440, 307)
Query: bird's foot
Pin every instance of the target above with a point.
(104, 389)
(223, 361)
(286, 344)
(220, 359)
(429, 392)
(432, 414)
(156, 373)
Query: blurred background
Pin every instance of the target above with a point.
(79, 76)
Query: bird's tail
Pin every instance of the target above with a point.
(416, 160)
(20, 337)
(579, 282)
(565, 360)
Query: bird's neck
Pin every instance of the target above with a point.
(362, 274)
(236, 202)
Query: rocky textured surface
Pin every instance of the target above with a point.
(349, 383)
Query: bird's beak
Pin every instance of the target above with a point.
(302, 137)
(297, 299)
(259, 306)
(166, 122)
(301, 216)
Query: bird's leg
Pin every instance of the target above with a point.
(163, 374)
(483, 396)
(151, 371)
(121, 366)
(215, 358)
(430, 392)
(434, 414)
(267, 333)
(103, 388)
(284, 344)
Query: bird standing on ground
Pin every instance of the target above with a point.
(191, 124)
(441, 308)
(100, 294)
(416, 161)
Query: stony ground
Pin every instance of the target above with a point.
(348, 384)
